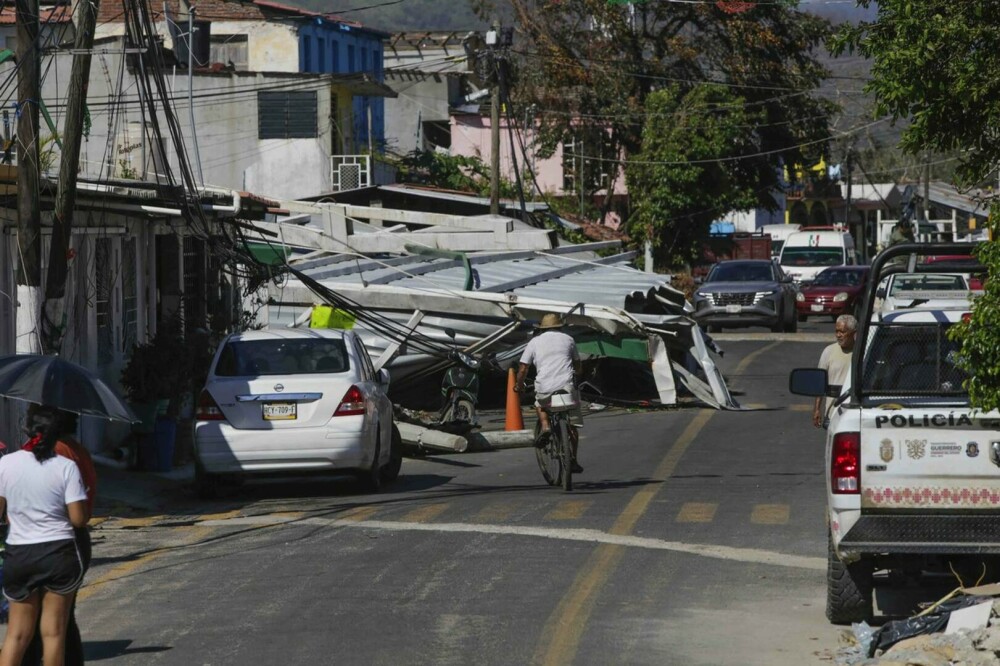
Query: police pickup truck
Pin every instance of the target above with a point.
(912, 472)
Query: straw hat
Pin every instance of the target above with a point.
(551, 321)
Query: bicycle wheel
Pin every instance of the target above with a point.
(548, 458)
(565, 453)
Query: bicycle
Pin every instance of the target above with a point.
(555, 459)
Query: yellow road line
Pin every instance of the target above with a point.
(696, 512)
(146, 521)
(569, 510)
(800, 408)
(358, 513)
(496, 512)
(770, 514)
(127, 568)
(225, 515)
(424, 514)
(560, 637)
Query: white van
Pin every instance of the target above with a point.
(806, 253)
(779, 233)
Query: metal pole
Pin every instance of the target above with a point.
(194, 130)
(495, 127)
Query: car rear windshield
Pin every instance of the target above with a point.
(812, 256)
(741, 273)
(253, 358)
(911, 359)
(838, 279)
(905, 283)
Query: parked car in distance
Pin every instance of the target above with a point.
(834, 291)
(293, 401)
(953, 260)
(806, 253)
(746, 292)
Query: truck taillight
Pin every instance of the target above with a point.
(208, 409)
(353, 403)
(845, 466)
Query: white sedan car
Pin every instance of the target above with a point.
(291, 401)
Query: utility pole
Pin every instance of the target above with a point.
(847, 213)
(194, 129)
(69, 166)
(492, 41)
(29, 223)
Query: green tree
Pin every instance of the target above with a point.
(591, 64)
(936, 64)
(687, 169)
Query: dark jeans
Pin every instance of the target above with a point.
(74, 643)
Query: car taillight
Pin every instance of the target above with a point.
(353, 403)
(845, 467)
(208, 409)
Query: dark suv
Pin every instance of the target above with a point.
(746, 292)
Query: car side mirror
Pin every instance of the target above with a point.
(880, 293)
(811, 382)
(383, 378)
(699, 280)
(787, 280)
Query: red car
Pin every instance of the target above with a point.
(975, 280)
(834, 292)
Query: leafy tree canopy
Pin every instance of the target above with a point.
(688, 168)
(595, 63)
(936, 64)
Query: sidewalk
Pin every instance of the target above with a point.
(119, 488)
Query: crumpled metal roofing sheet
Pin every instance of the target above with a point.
(537, 274)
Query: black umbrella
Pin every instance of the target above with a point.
(52, 381)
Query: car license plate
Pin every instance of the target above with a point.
(733, 309)
(817, 307)
(280, 411)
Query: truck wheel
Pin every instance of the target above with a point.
(792, 325)
(848, 588)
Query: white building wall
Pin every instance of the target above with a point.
(225, 109)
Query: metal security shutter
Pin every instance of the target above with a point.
(287, 115)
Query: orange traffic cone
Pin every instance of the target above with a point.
(514, 421)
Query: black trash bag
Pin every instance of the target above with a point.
(891, 633)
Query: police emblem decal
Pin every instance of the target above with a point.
(886, 450)
(972, 449)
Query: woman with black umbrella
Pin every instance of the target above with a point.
(45, 499)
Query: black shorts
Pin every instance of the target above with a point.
(53, 565)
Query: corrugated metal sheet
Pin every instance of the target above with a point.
(573, 278)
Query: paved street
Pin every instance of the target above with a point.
(694, 536)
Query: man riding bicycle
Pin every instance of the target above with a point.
(557, 365)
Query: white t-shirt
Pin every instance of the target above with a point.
(37, 494)
(837, 364)
(552, 353)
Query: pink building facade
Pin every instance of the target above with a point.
(556, 175)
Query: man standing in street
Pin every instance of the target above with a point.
(557, 365)
(836, 360)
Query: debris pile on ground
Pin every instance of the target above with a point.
(963, 628)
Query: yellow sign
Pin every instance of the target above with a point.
(325, 316)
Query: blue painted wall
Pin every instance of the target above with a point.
(328, 47)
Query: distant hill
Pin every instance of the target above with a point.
(434, 15)
(403, 15)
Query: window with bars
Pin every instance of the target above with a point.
(287, 114)
(588, 160)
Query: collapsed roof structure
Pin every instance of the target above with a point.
(416, 284)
